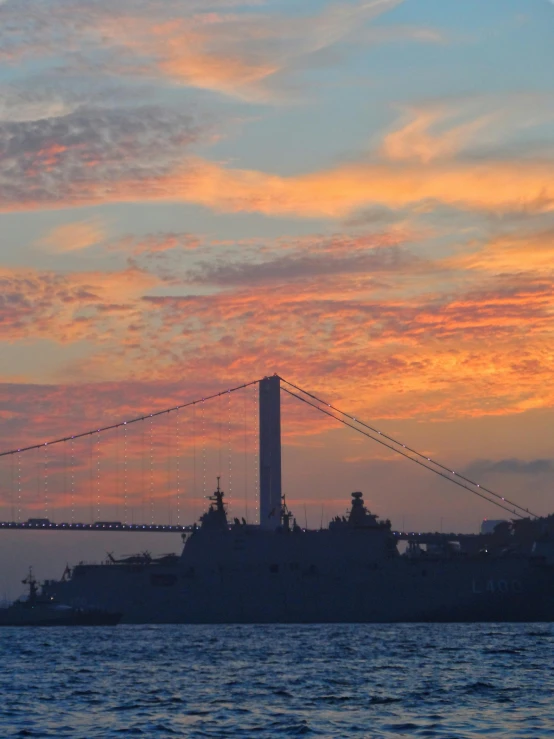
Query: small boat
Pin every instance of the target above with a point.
(39, 609)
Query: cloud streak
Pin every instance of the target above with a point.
(242, 55)
(512, 467)
(310, 259)
(335, 193)
(94, 156)
(73, 236)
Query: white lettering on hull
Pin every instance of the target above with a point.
(496, 586)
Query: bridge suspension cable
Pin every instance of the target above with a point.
(46, 465)
(405, 454)
(129, 422)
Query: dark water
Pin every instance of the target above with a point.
(278, 681)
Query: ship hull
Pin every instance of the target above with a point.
(392, 591)
(71, 619)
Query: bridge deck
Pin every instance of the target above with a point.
(420, 537)
(126, 527)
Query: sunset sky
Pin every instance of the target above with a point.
(358, 196)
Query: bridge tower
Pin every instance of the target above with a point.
(270, 451)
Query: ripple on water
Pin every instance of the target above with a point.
(450, 681)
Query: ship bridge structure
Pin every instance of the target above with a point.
(153, 471)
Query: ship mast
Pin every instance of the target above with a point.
(30, 580)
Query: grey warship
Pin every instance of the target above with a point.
(351, 571)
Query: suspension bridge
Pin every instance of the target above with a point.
(147, 473)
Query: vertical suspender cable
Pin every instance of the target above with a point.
(244, 411)
(203, 450)
(143, 491)
(125, 509)
(168, 454)
(72, 481)
(151, 475)
(229, 486)
(98, 516)
(194, 461)
(256, 452)
(46, 481)
(178, 467)
(19, 487)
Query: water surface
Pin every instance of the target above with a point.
(445, 681)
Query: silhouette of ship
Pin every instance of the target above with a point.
(351, 571)
(39, 609)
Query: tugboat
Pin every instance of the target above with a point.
(39, 609)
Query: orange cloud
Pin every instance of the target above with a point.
(441, 346)
(249, 56)
(418, 165)
(239, 55)
(444, 128)
(415, 141)
(183, 56)
(68, 307)
(333, 193)
(510, 253)
(73, 236)
(337, 192)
